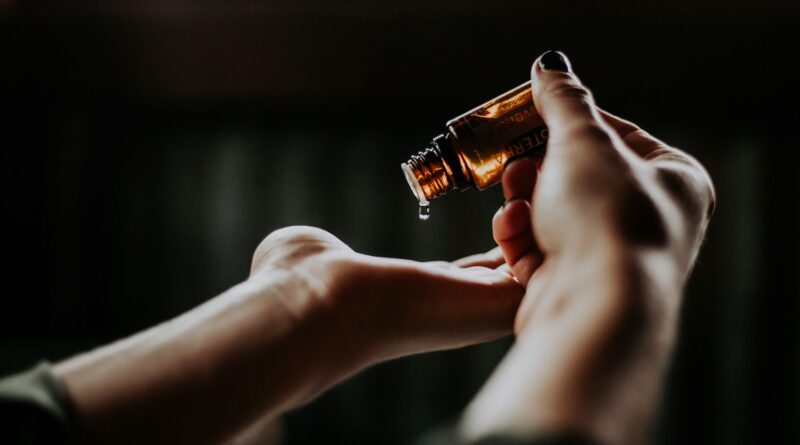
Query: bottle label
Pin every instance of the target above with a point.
(532, 141)
(492, 134)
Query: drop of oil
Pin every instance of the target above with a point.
(424, 211)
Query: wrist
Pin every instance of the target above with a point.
(321, 340)
(591, 352)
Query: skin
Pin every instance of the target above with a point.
(595, 244)
(312, 313)
(603, 233)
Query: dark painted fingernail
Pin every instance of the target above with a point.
(555, 61)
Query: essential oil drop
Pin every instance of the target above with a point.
(424, 211)
(476, 147)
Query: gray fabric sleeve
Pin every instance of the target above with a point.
(35, 408)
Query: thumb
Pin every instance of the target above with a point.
(582, 159)
(566, 106)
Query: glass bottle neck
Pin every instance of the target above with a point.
(435, 171)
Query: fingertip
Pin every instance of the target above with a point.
(550, 64)
(491, 259)
(514, 234)
(560, 97)
(511, 221)
(553, 61)
(519, 179)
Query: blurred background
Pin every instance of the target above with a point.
(148, 146)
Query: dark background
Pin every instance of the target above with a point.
(148, 146)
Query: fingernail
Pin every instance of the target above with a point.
(555, 61)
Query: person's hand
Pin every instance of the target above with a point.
(312, 313)
(387, 307)
(603, 232)
(604, 181)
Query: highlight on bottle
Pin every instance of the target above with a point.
(476, 146)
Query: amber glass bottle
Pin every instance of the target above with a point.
(477, 145)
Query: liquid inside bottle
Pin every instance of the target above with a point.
(477, 145)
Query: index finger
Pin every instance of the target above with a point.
(682, 174)
(491, 259)
(641, 142)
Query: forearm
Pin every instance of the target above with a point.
(593, 362)
(203, 376)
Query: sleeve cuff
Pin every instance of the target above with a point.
(36, 408)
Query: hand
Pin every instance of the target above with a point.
(603, 232)
(386, 307)
(604, 181)
(311, 313)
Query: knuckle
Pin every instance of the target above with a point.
(584, 134)
(634, 135)
(690, 187)
(292, 234)
(627, 127)
(281, 237)
(571, 89)
(590, 133)
(291, 243)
